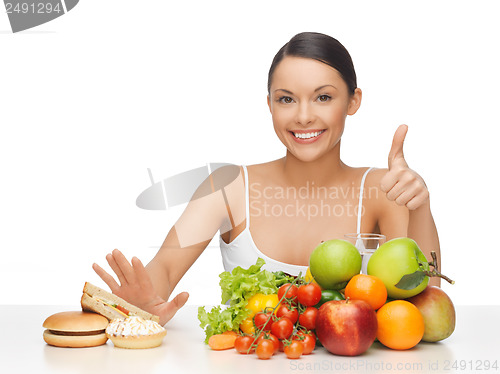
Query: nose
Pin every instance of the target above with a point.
(304, 114)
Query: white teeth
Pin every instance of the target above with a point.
(307, 135)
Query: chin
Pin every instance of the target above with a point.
(307, 156)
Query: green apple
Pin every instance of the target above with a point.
(394, 259)
(333, 263)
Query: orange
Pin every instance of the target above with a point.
(368, 288)
(400, 325)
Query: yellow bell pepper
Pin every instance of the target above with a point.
(258, 302)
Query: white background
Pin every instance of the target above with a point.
(91, 100)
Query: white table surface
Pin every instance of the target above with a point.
(475, 341)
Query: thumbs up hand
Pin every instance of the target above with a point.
(400, 183)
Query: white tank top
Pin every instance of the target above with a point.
(242, 251)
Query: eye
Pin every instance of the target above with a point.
(324, 98)
(285, 100)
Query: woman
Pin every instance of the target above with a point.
(292, 203)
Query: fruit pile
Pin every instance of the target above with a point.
(392, 303)
(333, 304)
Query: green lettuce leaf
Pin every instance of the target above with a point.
(219, 320)
(237, 288)
(241, 284)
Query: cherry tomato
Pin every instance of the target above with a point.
(243, 343)
(294, 349)
(271, 337)
(282, 328)
(307, 318)
(265, 349)
(264, 320)
(290, 290)
(289, 312)
(308, 342)
(281, 347)
(309, 294)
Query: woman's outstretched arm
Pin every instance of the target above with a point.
(150, 287)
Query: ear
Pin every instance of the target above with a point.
(269, 103)
(354, 102)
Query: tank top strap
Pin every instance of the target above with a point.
(360, 204)
(247, 197)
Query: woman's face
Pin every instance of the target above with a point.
(309, 102)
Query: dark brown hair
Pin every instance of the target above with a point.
(318, 47)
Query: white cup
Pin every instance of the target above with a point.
(366, 245)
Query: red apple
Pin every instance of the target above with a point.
(438, 312)
(346, 327)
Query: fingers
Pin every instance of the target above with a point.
(404, 197)
(401, 184)
(418, 200)
(108, 279)
(114, 266)
(121, 267)
(141, 274)
(396, 156)
(410, 193)
(394, 184)
(388, 181)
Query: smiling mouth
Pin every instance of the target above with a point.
(307, 135)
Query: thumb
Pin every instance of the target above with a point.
(180, 299)
(170, 308)
(396, 154)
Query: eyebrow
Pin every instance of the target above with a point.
(316, 90)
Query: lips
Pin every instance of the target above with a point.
(306, 136)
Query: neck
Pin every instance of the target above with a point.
(323, 171)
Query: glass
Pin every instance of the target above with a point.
(366, 245)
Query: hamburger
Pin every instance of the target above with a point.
(75, 329)
(97, 300)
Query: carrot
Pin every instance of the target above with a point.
(230, 332)
(222, 341)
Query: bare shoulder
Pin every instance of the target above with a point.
(219, 193)
(374, 177)
(372, 187)
(219, 179)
